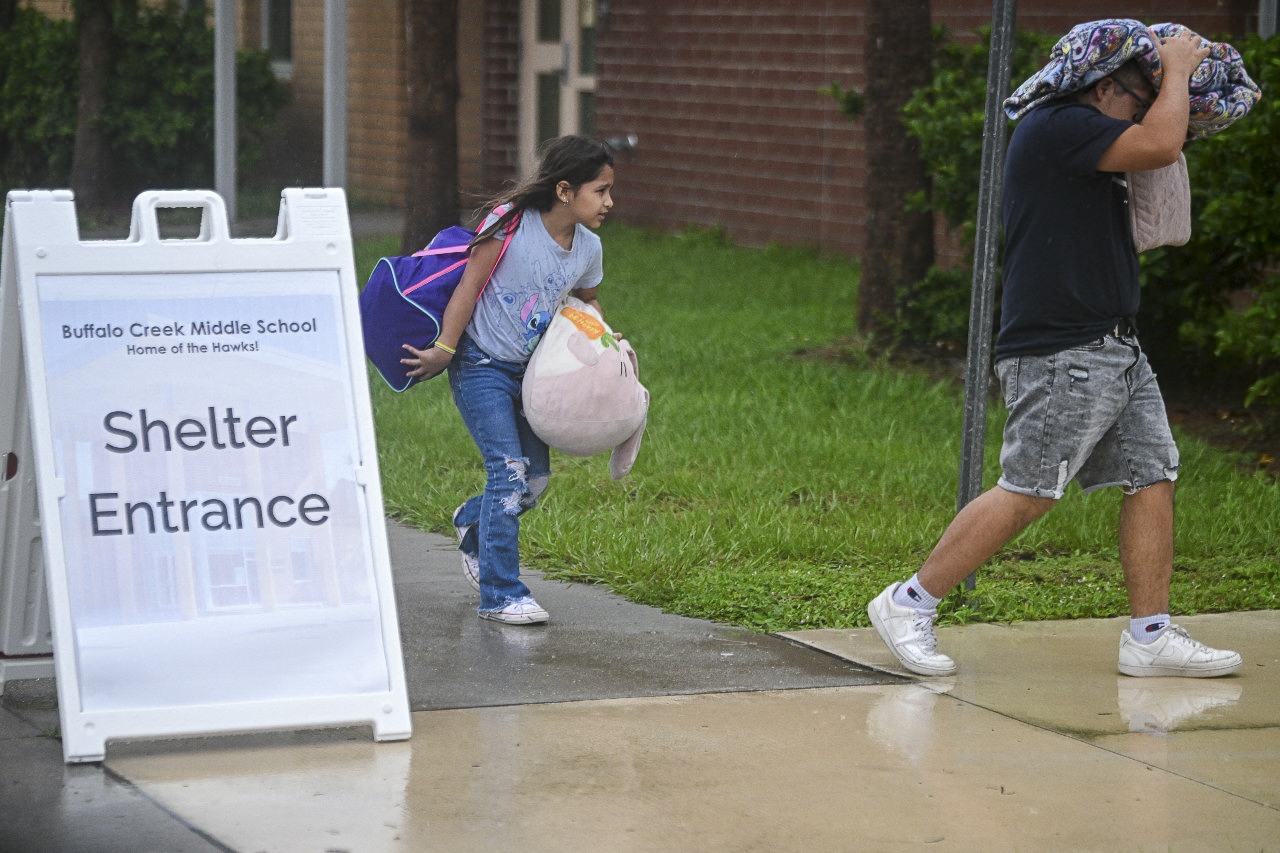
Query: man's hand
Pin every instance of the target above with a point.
(1182, 54)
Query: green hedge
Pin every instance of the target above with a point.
(37, 101)
(160, 112)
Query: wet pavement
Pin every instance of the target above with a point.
(619, 727)
(599, 647)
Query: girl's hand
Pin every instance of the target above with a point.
(426, 363)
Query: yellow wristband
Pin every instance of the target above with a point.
(449, 350)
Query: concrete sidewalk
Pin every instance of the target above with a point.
(618, 727)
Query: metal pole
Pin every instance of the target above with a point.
(224, 104)
(335, 93)
(1266, 18)
(981, 307)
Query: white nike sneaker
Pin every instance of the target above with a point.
(909, 635)
(1175, 653)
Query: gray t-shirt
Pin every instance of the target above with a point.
(532, 278)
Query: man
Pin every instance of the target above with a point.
(1083, 403)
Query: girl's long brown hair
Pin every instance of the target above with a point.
(573, 159)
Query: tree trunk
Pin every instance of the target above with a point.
(431, 72)
(899, 243)
(92, 176)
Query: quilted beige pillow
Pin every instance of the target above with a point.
(1160, 206)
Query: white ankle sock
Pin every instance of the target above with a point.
(1148, 628)
(913, 594)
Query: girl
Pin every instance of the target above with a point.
(486, 344)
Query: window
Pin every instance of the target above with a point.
(277, 35)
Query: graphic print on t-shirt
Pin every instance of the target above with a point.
(535, 321)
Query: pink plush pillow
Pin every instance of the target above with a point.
(582, 393)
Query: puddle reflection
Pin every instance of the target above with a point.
(1161, 705)
(902, 719)
(504, 642)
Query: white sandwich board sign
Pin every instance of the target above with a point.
(26, 637)
(212, 515)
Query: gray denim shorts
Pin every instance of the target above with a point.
(1093, 414)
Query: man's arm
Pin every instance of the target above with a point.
(1158, 139)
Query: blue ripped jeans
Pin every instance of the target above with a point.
(517, 468)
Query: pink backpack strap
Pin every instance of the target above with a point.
(506, 241)
(440, 250)
(453, 250)
(431, 278)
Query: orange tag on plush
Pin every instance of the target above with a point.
(590, 326)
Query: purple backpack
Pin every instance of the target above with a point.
(404, 300)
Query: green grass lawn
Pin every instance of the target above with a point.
(776, 490)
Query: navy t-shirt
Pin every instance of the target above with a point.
(1070, 269)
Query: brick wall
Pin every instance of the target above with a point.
(471, 65)
(723, 95)
(1210, 17)
(376, 100)
(500, 117)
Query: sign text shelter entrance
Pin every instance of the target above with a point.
(214, 535)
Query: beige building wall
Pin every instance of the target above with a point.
(376, 100)
(471, 64)
(376, 97)
(56, 9)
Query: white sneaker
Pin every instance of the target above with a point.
(909, 634)
(1175, 653)
(522, 611)
(470, 564)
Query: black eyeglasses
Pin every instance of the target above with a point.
(1143, 103)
